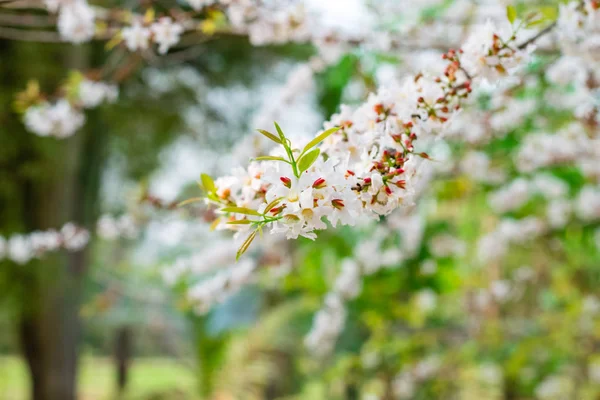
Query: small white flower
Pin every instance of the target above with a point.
(76, 23)
(92, 94)
(166, 33)
(426, 300)
(136, 36)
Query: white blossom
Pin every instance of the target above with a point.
(166, 33)
(136, 36)
(60, 120)
(92, 93)
(76, 23)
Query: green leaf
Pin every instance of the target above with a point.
(281, 135)
(241, 210)
(308, 159)
(535, 23)
(189, 201)
(208, 183)
(270, 135)
(320, 138)
(550, 13)
(240, 222)
(215, 223)
(245, 245)
(271, 158)
(511, 14)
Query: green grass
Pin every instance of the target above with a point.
(150, 378)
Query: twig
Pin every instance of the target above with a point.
(30, 35)
(541, 33)
(31, 21)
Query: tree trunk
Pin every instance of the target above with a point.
(123, 351)
(50, 327)
(49, 332)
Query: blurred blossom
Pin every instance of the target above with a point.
(426, 300)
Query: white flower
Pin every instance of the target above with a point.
(594, 371)
(500, 289)
(92, 94)
(76, 23)
(200, 4)
(348, 283)
(587, 204)
(426, 300)
(327, 325)
(74, 238)
(136, 36)
(549, 186)
(20, 249)
(429, 267)
(555, 387)
(166, 33)
(446, 245)
(60, 120)
(404, 385)
(37, 119)
(567, 70)
(491, 247)
(511, 197)
(558, 213)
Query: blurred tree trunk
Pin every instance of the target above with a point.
(50, 330)
(58, 181)
(123, 351)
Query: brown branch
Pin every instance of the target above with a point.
(30, 21)
(541, 33)
(30, 35)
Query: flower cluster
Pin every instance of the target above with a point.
(405, 383)
(23, 248)
(62, 118)
(570, 145)
(221, 286)
(265, 22)
(165, 32)
(366, 166)
(76, 19)
(211, 276)
(348, 284)
(575, 73)
(109, 227)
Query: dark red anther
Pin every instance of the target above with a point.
(287, 182)
(319, 183)
(337, 203)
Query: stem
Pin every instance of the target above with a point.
(541, 33)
